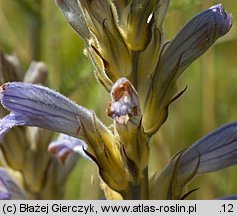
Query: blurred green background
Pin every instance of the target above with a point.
(37, 30)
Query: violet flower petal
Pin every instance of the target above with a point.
(216, 151)
(66, 145)
(35, 105)
(9, 190)
(194, 39)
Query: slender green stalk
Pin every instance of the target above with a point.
(135, 60)
(138, 190)
(145, 185)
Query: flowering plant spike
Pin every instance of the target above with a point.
(125, 42)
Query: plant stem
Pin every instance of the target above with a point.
(145, 185)
(138, 190)
(135, 60)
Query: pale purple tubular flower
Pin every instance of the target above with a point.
(215, 151)
(66, 145)
(194, 39)
(35, 105)
(9, 190)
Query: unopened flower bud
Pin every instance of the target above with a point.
(124, 102)
(37, 73)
